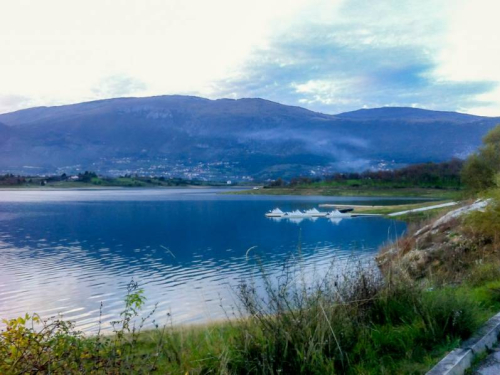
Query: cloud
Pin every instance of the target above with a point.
(61, 52)
(118, 85)
(326, 55)
(14, 102)
(371, 54)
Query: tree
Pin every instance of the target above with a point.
(481, 167)
(477, 174)
(277, 183)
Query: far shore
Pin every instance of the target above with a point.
(117, 187)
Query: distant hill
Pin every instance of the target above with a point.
(407, 113)
(193, 137)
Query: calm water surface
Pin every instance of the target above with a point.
(66, 251)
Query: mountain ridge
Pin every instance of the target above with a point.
(248, 138)
(417, 114)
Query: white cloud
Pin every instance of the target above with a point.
(118, 85)
(59, 51)
(325, 92)
(471, 50)
(62, 51)
(14, 102)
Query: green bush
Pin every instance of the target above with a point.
(483, 273)
(477, 173)
(480, 169)
(53, 346)
(487, 223)
(359, 324)
(354, 323)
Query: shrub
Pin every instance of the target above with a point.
(483, 273)
(487, 224)
(32, 345)
(351, 322)
(480, 168)
(477, 173)
(354, 323)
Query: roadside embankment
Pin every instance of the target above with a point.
(437, 247)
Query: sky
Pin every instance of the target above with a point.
(329, 56)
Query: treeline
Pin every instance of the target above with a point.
(92, 178)
(428, 175)
(10, 179)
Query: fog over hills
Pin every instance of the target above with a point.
(193, 137)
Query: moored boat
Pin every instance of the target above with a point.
(296, 213)
(315, 213)
(275, 213)
(337, 214)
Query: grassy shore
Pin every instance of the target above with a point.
(415, 217)
(347, 191)
(364, 327)
(385, 210)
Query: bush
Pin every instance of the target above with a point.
(480, 168)
(32, 345)
(349, 324)
(477, 173)
(483, 273)
(487, 224)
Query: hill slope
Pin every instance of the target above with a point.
(408, 113)
(195, 137)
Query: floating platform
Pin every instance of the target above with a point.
(314, 213)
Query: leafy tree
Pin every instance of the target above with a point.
(277, 183)
(477, 173)
(480, 168)
(87, 176)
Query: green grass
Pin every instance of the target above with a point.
(413, 217)
(363, 325)
(379, 184)
(389, 209)
(443, 194)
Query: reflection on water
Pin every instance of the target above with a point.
(66, 251)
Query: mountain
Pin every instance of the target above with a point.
(5, 132)
(235, 139)
(406, 113)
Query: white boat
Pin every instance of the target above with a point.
(315, 213)
(296, 213)
(275, 213)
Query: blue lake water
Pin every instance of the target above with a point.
(66, 251)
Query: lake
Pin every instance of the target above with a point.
(66, 251)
